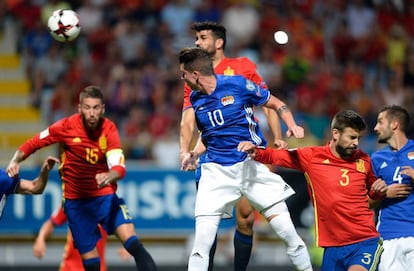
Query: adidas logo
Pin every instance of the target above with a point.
(384, 165)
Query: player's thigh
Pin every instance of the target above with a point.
(244, 209)
(264, 188)
(84, 227)
(218, 189)
(245, 216)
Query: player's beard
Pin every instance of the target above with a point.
(91, 124)
(384, 137)
(345, 152)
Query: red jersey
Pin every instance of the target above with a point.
(337, 188)
(231, 66)
(72, 260)
(82, 156)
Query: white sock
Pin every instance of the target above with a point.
(296, 249)
(205, 234)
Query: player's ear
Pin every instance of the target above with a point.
(103, 109)
(219, 43)
(335, 134)
(79, 108)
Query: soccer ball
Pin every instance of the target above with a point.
(64, 25)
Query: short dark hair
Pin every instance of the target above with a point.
(91, 92)
(348, 119)
(219, 31)
(196, 59)
(398, 113)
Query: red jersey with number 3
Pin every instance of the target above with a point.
(231, 66)
(72, 260)
(82, 155)
(337, 188)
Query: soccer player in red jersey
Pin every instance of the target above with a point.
(92, 162)
(340, 181)
(72, 260)
(211, 37)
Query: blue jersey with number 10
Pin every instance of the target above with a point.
(225, 117)
(396, 217)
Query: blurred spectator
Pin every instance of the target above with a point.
(90, 16)
(241, 20)
(47, 72)
(207, 10)
(177, 15)
(397, 46)
(63, 102)
(137, 140)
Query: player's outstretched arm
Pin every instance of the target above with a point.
(37, 186)
(13, 168)
(39, 245)
(273, 122)
(286, 115)
(187, 127)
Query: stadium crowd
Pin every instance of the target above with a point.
(354, 54)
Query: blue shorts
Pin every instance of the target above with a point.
(84, 215)
(365, 253)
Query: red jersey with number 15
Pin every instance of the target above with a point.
(231, 66)
(338, 189)
(82, 155)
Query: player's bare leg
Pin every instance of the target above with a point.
(243, 237)
(91, 260)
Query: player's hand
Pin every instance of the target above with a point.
(39, 248)
(409, 171)
(189, 161)
(398, 190)
(103, 179)
(379, 187)
(13, 169)
(248, 147)
(296, 131)
(280, 144)
(49, 163)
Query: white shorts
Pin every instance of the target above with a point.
(398, 255)
(220, 187)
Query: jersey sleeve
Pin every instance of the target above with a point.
(371, 178)
(186, 99)
(49, 136)
(58, 218)
(292, 158)
(113, 138)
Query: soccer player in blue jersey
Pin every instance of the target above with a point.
(16, 185)
(223, 106)
(395, 165)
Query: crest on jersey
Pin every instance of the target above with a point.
(228, 71)
(250, 85)
(103, 144)
(360, 166)
(227, 100)
(410, 155)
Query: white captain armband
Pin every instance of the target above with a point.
(115, 157)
